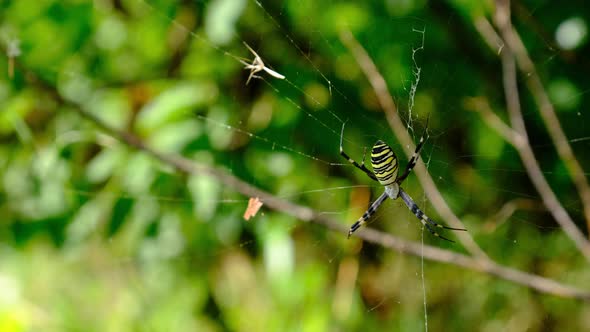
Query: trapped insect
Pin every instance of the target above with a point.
(257, 65)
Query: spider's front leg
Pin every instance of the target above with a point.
(362, 166)
(414, 159)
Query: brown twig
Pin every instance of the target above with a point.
(522, 143)
(481, 264)
(489, 35)
(508, 209)
(535, 85)
(387, 103)
(481, 105)
(541, 284)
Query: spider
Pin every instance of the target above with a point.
(257, 65)
(385, 171)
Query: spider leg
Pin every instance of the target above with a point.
(414, 159)
(427, 222)
(363, 219)
(362, 166)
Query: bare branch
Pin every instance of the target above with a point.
(486, 30)
(484, 265)
(481, 264)
(388, 105)
(525, 151)
(508, 209)
(481, 105)
(535, 85)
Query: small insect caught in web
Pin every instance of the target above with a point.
(257, 65)
(254, 204)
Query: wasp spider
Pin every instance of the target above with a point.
(385, 171)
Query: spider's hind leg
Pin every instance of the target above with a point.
(429, 228)
(372, 209)
(427, 222)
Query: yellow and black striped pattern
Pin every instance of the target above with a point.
(384, 162)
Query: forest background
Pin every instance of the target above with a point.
(132, 143)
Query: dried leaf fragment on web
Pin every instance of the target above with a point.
(254, 204)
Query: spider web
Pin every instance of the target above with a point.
(286, 239)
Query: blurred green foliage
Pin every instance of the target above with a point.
(97, 236)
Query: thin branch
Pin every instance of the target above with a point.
(508, 209)
(541, 284)
(525, 151)
(481, 105)
(522, 146)
(481, 264)
(552, 123)
(535, 85)
(489, 35)
(395, 122)
(387, 103)
(477, 264)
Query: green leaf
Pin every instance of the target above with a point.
(176, 103)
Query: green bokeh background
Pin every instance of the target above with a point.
(97, 236)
